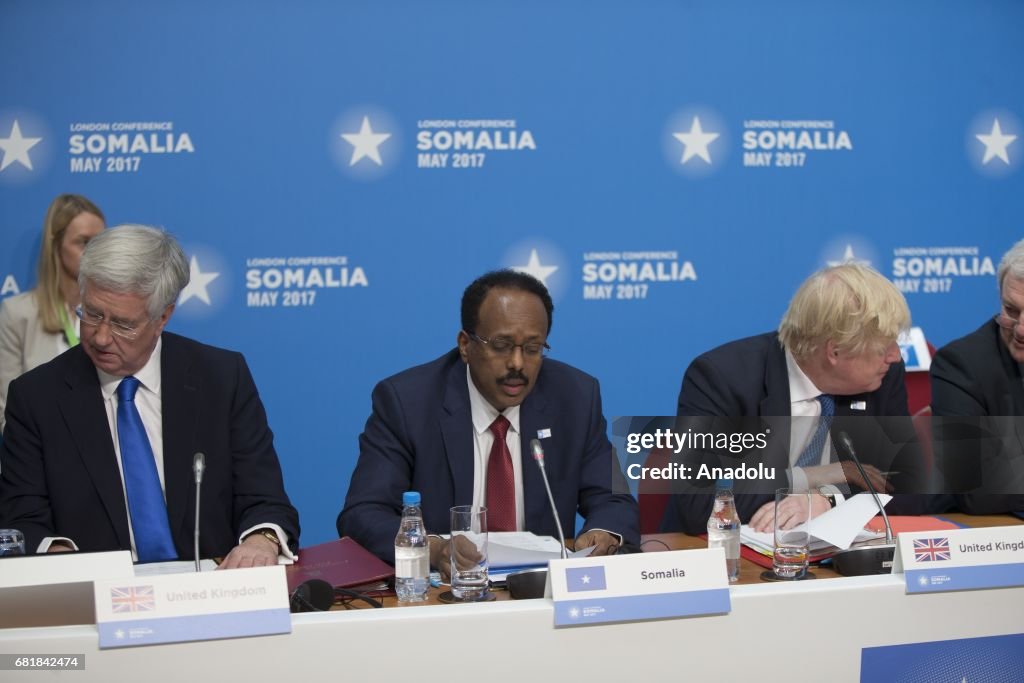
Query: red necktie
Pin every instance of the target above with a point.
(501, 486)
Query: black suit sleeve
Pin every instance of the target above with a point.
(260, 496)
(977, 450)
(372, 510)
(24, 498)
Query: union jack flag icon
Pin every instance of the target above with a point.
(931, 549)
(132, 599)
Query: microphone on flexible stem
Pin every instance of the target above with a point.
(865, 559)
(538, 455)
(198, 467)
(530, 582)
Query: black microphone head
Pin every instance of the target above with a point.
(846, 442)
(315, 595)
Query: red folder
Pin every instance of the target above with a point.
(342, 563)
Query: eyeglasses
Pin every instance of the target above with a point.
(120, 329)
(1006, 322)
(505, 347)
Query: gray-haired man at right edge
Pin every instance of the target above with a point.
(833, 366)
(978, 404)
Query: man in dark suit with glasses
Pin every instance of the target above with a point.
(458, 429)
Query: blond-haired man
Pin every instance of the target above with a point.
(833, 366)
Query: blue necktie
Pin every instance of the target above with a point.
(142, 484)
(812, 454)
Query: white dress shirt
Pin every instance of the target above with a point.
(483, 415)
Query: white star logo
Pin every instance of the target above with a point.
(16, 148)
(848, 257)
(534, 268)
(695, 142)
(365, 143)
(923, 580)
(196, 287)
(585, 579)
(119, 634)
(574, 612)
(996, 143)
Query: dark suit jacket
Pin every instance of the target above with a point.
(59, 472)
(420, 437)
(748, 378)
(975, 376)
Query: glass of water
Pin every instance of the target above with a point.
(468, 549)
(792, 512)
(12, 542)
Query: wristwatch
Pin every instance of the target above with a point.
(829, 496)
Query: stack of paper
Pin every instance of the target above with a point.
(837, 529)
(512, 551)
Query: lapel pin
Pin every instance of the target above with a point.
(858, 405)
(543, 433)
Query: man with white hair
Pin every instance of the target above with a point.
(100, 442)
(979, 376)
(833, 366)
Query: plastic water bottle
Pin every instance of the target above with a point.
(412, 552)
(724, 528)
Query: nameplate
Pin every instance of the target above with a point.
(963, 559)
(622, 588)
(176, 608)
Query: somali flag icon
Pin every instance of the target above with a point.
(585, 579)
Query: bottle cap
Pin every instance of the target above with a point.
(411, 498)
(725, 483)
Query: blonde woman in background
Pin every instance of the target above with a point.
(40, 324)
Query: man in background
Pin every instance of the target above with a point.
(979, 376)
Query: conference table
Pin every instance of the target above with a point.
(792, 631)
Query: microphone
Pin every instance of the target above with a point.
(198, 467)
(865, 559)
(529, 583)
(316, 595)
(538, 455)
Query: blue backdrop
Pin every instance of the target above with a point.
(339, 171)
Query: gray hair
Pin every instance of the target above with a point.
(1012, 264)
(136, 259)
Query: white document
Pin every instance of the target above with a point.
(841, 526)
(511, 551)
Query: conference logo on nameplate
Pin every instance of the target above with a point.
(175, 608)
(124, 146)
(937, 269)
(291, 281)
(470, 144)
(963, 559)
(681, 583)
(633, 275)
